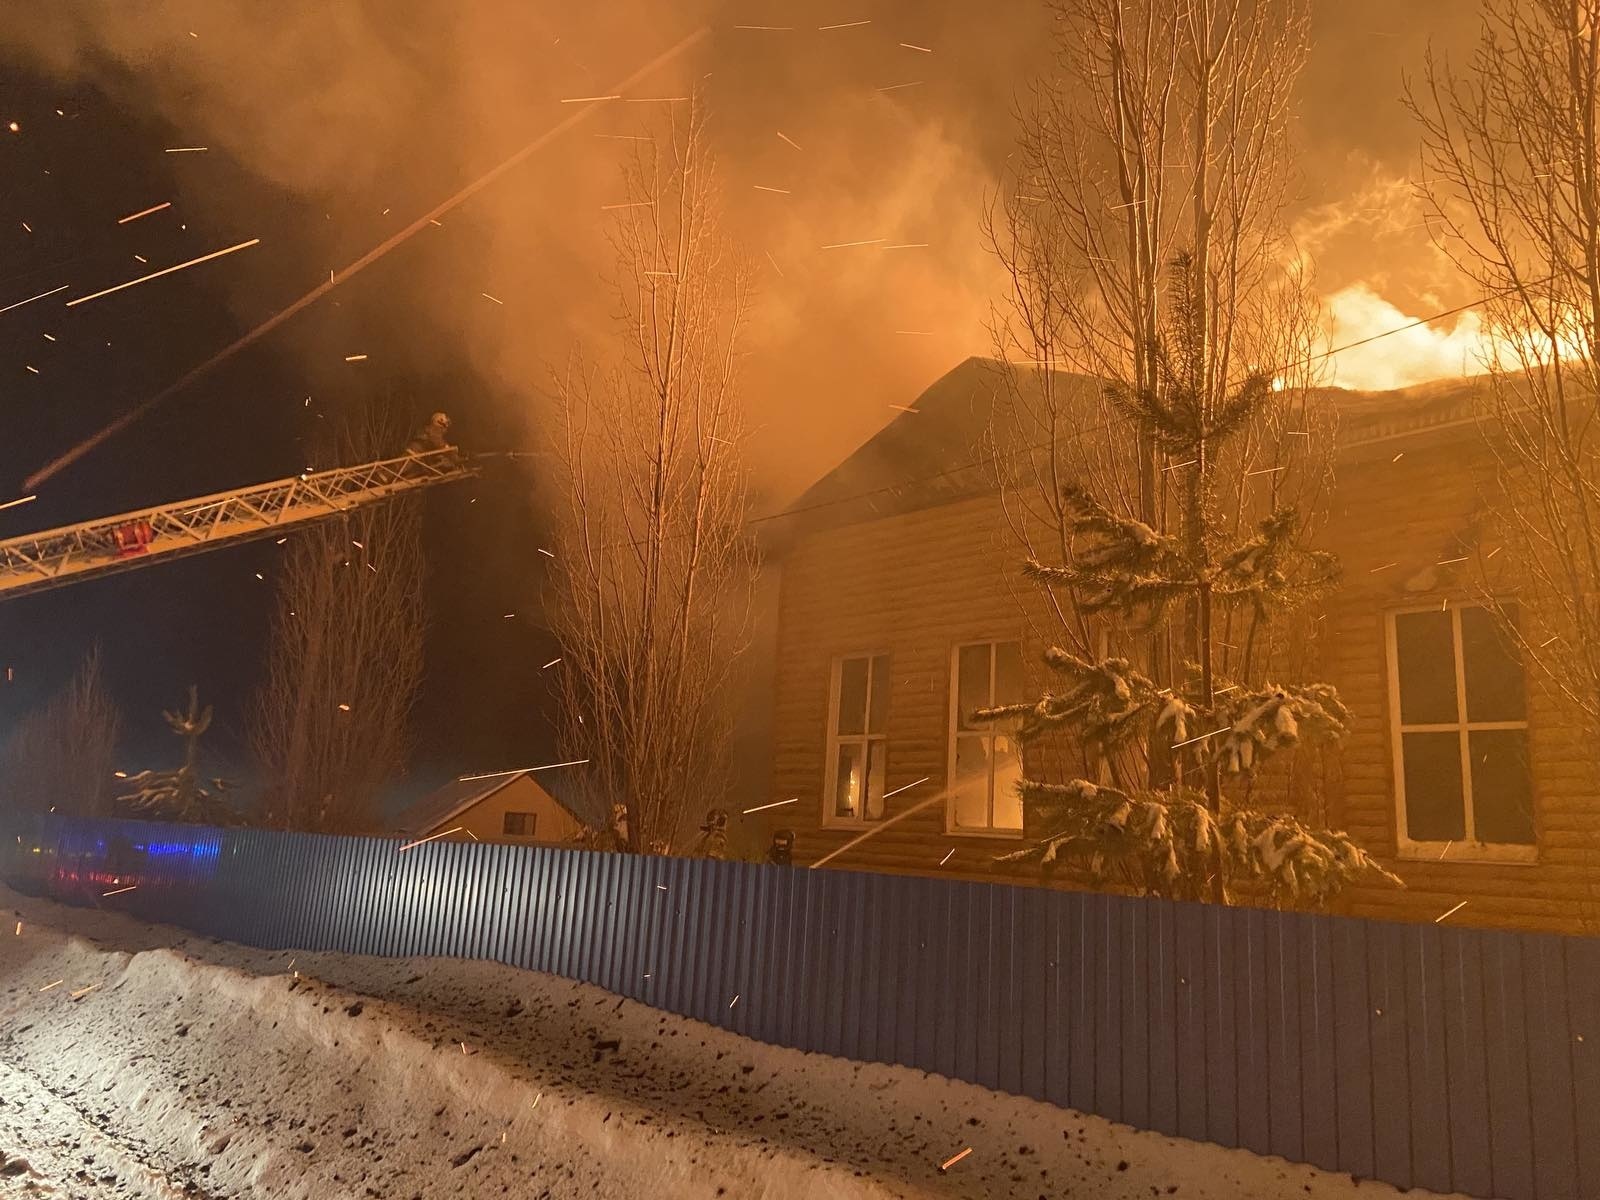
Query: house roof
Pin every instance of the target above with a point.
(938, 451)
(450, 801)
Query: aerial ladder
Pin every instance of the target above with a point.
(36, 562)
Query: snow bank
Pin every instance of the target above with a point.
(202, 1069)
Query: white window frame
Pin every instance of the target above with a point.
(830, 779)
(1467, 849)
(954, 733)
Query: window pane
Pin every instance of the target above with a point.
(877, 757)
(1007, 773)
(970, 788)
(880, 694)
(1502, 800)
(1010, 684)
(1427, 666)
(1493, 669)
(847, 780)
(972, 684)
(852, 695)
(1434, 810)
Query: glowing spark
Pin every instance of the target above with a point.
(763, 188)
(355, 358)
(769, 28)
(1267, 471)
(429, 838)
(186, 149)
(909, 46)
(904, 408)
(946, 858)
(35, 370)
(655, 100)
(14, 127)
(845, 25)
(1547, 641)
(878, 828)
(28, 227)
(632, 204)
(119, 891)
(536, 1100)
(1202, 737)
(789, 139)
(166, 271)
(49, 337)
(1398, 457)
(1446, 849)
(82, 991)
(774, 263)
(576, 762)
(775, 804)
(451, 203)
(1493, 552)
(474, 836)
(915, 332)
(661, 887)
(544, 552)
(19, 928)
(1445, 562)
(120, 774)
(908, 786)
(954, 1159)
(1174, 466)
(625, 137)
(843, 245)
(486, 296)
(48, 986)
(144, 212)
(344, 708)
(1385, 567)
(908, 246)
(1443, 915)
(894, 87)
(590, 99)
(734, 1001)
(508, 616)
(550, 664)
(31, 299)
(357, 544)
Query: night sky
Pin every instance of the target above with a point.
(330, 127)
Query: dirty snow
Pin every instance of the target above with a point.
(199, 1069)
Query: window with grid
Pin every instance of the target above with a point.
(985, 761)
(857, 743)
(1460, 717)
(519, 824)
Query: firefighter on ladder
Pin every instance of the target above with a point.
(435, 435)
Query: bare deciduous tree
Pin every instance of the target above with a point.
(1512, 155)
(1159, 144)
(652, 579)
(332, 719)
(62, 757)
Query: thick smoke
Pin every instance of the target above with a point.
(356, 108)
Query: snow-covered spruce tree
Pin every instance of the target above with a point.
(181, 794)
(1190, 835)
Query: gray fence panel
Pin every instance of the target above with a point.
(1446, 1058)
(1505, 1022)
(1555, 1151)
(1352, 1033)
(1251, 1031)
(1391, 1080)
(1583, 995)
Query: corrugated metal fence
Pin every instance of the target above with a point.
(1428, 1056)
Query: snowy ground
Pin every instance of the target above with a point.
(191, 1068)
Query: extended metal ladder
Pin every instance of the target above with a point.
(55, 557)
